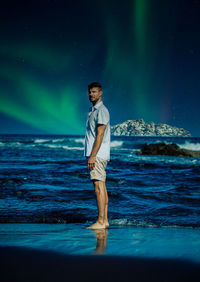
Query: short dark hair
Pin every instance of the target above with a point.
(94, 84)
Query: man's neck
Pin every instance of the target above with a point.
(97, 102)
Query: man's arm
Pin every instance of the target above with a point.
(100, 133)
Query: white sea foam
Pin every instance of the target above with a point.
(58, 140)
(53, 146)
(186, 145)
(80, 140)
(116, 144)
(125, 222)
(73, 148)
(159, 141)
(122, 221)
(64, 147)
(11, 144)
(14, 144)
(190, 146)
(40, 140)
(113, 143)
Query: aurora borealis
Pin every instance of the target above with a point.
(146, 54)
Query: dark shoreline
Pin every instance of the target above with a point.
(27, 264)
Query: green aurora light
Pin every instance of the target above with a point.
(130, 61)
(46, 66)
(58, 109)
(35, 104)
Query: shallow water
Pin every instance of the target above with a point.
(181, 243)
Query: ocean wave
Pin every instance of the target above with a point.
(80, 140)
(14, 144)
(58, 140)
(142, 223)
(11, 144)
(41, 140)
(127, 222)
(190, 146)
(64, 147)
(114, 144)
(187, 145)
(53, 146)
(73, 148)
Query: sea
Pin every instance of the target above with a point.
(47, 200)
(45, 179)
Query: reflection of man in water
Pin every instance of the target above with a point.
(101, 235)
(97, 150)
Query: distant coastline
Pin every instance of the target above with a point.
(139, 127)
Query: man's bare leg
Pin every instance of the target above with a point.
(106, 207)
(101, 199)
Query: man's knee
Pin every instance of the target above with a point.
(98, 185)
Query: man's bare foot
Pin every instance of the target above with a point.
(97, 225)
(106, 223)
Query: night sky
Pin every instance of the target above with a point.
(146, 54)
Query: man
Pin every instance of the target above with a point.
(97, 151)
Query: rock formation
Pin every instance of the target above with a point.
(167, 149)
(139, 127)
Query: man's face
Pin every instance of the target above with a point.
(94, 94)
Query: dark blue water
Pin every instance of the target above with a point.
(45, 179)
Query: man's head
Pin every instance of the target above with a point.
(95, 92)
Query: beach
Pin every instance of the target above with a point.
(58, 252)
(75, 239)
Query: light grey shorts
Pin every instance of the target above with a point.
(99, 171)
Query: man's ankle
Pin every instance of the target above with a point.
(101, 221)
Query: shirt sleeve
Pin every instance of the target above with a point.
(103, 116)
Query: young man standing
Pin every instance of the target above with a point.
(97, 151)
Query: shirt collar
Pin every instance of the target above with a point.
(96, 106)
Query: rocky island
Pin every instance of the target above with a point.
(139, 127)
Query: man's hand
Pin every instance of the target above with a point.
(91, 162)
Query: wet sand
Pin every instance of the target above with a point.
(75, 239)
(26, 264)
(62, 252)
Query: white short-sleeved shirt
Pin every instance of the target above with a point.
(98, 114)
